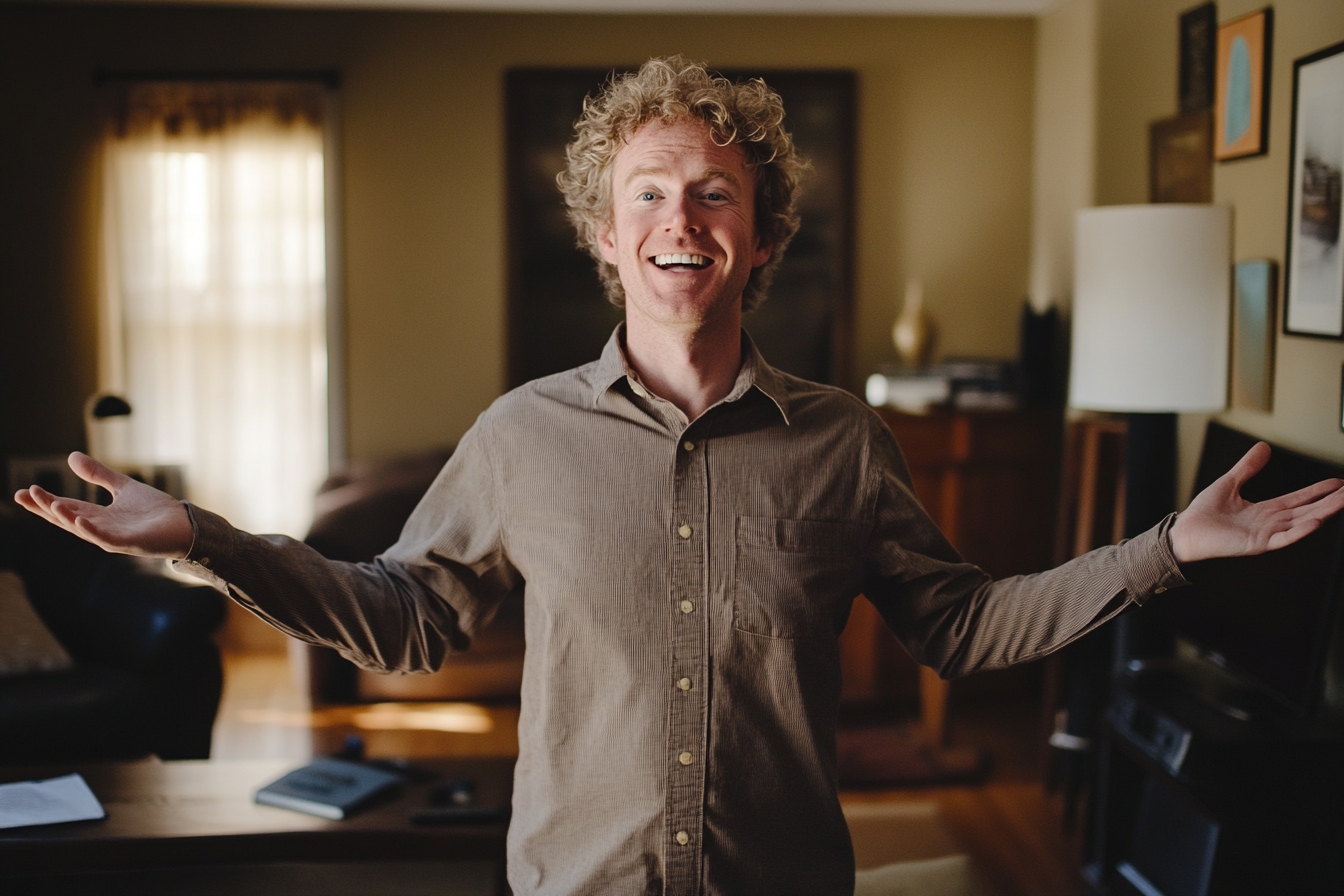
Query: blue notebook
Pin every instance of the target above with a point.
(330, 788)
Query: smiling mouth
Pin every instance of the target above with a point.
(681, 262)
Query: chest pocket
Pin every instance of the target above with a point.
(790, 577)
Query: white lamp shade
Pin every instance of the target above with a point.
(1151, 308)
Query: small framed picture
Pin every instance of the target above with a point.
(1199, 46)
(1314, 270)
(1180, 158)
(1253, 334)
(1241, 107)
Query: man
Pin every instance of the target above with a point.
(690, 526)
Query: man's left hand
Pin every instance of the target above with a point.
(1220, 523)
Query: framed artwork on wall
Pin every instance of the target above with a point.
(1241, 108)
(1314, 270)
(1199, 47)
(1180, 158)
(1253, 331)
(558, 315)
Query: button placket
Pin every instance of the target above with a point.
(684, 812)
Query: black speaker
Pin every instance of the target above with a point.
(1174, 844)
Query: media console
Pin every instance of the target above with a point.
(1195, 801)
(1220, 767)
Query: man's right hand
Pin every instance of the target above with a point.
(141, 520)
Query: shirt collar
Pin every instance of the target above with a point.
(612, 367)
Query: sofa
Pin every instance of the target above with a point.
(133, 671)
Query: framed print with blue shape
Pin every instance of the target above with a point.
(1241, 104)
(1314, 270)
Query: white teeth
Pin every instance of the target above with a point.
(663, 260)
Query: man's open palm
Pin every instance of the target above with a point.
(1220, 523)
(141, 520)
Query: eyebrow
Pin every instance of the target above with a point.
(705, 174)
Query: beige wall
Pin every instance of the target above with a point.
(1138, 69)
(947, 109)
(1136, 79)
(1307, 374)
(944, 170)
(1065, 144)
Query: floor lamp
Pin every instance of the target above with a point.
(1151, 328)
(1150, 333)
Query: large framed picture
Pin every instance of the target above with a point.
(1314, 272)
(1241, 107)
(558, 315)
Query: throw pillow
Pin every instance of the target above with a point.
(26, 644)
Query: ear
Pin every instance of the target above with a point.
(763, 249)
(606, 244)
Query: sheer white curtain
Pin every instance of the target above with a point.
(214, 298)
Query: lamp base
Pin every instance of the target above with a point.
(1150, 494)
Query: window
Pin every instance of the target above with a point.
(214, 299)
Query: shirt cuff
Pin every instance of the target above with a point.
(212, 543)
(1148, 564)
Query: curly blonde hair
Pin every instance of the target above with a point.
(671, 89)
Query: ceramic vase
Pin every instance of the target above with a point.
(912, 333)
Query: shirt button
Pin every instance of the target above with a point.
(684, 684)
(638, 389)
(687, 606)
(685, 758)
(1159, 589)
(689, 446)
(683, 838)
(684, 531)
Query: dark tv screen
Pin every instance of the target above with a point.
(1266, 617)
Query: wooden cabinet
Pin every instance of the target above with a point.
(989, 479)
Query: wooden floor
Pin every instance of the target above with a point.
(1008, 825)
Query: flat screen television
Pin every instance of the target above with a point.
(1266, 619)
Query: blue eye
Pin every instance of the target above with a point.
(715, 196)
(647, 196)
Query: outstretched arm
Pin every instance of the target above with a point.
(141, 520)
(1220, 523)
(951, 616)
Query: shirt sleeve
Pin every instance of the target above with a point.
(951, 616)
(428, 594)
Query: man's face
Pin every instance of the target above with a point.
(683, 231)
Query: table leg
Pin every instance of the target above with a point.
(933, 706)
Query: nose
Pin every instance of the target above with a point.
(682, 216)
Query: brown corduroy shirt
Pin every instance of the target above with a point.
(684, 588)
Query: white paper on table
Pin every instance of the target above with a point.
(48, 802)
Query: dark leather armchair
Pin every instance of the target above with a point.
(360, 511)
(147, 676)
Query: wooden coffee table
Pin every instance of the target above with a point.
(193, 827)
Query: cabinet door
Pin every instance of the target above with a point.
(989, 480)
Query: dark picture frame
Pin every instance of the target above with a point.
(558, 315)
(1313, 287)
(1180, 158)
(1199, 52)
(1241, 107)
